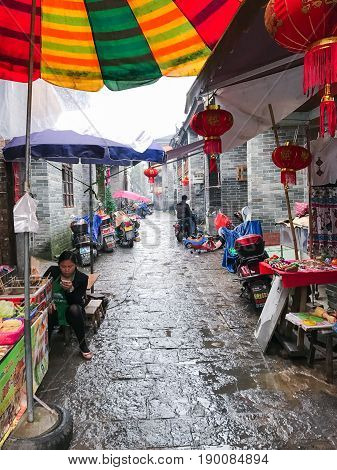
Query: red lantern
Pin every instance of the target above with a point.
(291, 158)
(151, 173)
(211, 124)
(309, 26)
(185, 181)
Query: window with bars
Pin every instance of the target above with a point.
(68, 185)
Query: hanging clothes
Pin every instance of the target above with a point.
(324, 162)
(324, 220)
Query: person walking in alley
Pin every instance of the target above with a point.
(184, 213)
(69, 288)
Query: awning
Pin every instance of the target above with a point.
(184, 151)
(248, 102)
(246, 51)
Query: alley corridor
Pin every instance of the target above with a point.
(176, 364)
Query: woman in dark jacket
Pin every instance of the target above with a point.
(69, 288)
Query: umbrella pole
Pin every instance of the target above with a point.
(91, 222)
(27, 323)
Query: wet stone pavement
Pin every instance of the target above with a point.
(176, 364)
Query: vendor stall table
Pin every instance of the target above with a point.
(278, 297)
(12, 374)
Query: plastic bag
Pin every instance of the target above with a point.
(221, 220)
(25, 215)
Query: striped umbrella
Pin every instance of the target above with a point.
(83, 44)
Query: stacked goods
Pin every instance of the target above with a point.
(331, 317)
(11, 331)
(282, 265)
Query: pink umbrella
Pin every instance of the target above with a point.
(130, 195)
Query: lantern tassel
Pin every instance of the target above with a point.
(320, 65)
(212, 145)
(328, 110)
(213, 167)
(288, 177)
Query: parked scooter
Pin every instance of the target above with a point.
(81, 241)
(254, 286)
(106, 232)
(125, 230)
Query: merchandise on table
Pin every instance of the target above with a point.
(308, 321)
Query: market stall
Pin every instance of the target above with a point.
(12, 351)
(287, 305)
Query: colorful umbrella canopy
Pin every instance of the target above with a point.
(130, 195)
(70, 147)
(83, 44)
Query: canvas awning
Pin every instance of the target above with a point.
(245, 52)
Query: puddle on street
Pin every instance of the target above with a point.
(213, 344)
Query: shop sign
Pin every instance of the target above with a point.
(198, 178)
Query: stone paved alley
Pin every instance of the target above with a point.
(176, 364)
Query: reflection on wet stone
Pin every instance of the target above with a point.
(176, 364)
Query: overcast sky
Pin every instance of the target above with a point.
(156, 108)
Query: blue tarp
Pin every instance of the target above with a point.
(230, 236)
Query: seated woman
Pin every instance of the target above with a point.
(69, 287)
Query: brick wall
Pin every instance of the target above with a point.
(265, 192)
(7, 245)
(234, 194)
(54, 234)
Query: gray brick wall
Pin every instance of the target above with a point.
(54, 234)
(265, 191)
(234, 194)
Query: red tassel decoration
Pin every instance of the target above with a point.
(212, 145)
(320, 64)
(288, 177)
(328, 109)
(213, 167)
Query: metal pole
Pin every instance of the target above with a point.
(27, 323)
(310, 198)
(91, 223)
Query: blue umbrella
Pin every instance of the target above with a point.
(70, 147)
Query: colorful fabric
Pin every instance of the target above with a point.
(83, 44)
(324, 220)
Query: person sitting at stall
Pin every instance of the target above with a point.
(69, 288)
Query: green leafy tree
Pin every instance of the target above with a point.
(110, 204)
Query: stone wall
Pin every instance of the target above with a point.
(265, 191)
(234, 193)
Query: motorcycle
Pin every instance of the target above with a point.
(81, 241)
(106, 232)
(125, 230)
(254, 286)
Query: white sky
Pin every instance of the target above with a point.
(155, 109)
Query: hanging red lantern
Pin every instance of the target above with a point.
(291, 158)
(211, 124)
(309, 26)
(185, 181)
(151, 173)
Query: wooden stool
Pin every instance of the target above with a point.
(326, 351)
(94, 313)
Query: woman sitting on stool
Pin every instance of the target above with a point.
(69, 288)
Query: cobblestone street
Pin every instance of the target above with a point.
(176, 364)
